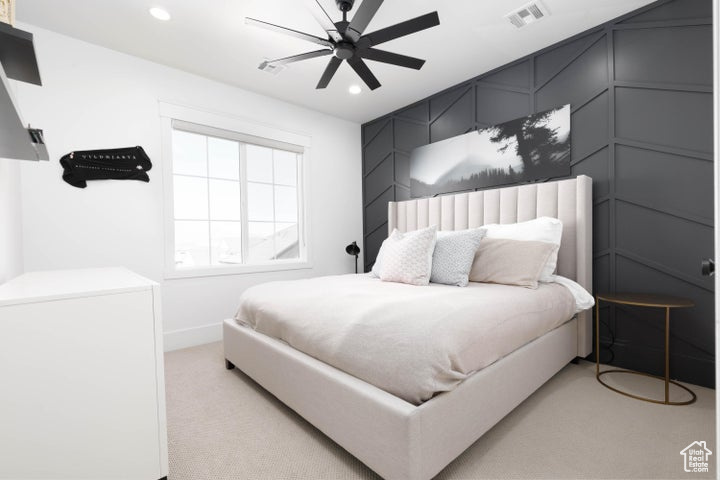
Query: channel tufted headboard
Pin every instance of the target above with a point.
(568, 200)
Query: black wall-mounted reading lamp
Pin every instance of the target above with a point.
(353, 249)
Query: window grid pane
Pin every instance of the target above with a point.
(223, 159)
(226, 242)
(189, 153)
(191, 243)
(259, 163)
(260, 202)
(190, 195)
(208, 179)
(285, 168)
(224, 200)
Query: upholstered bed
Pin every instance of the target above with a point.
(400, 439)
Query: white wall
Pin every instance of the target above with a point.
(98, 98)
(11, 255)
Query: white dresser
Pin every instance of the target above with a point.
(82, 393)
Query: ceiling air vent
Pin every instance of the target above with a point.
(529, 13)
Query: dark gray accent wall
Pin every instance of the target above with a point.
(641, 94)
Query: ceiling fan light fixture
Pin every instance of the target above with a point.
(160, 13)
(344, 5)
(355, 89)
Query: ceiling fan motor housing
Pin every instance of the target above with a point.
(344, 50)
(345, 5)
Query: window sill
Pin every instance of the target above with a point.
(222, 270)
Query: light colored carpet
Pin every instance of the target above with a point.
(222, 425)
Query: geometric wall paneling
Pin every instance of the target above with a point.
(378, 147)
(671, 183)
(668, 243)
(455, 119)
(676, 10)
(679, 119)
(601, 226)
(495, 106)
(442, 101)
(515, 75)
(685, 333)
(601, 273)
(632, 322)
(606, 334)
(410, 134)
(649, 357)
(656, 55)
(419, 112)
(590, 127)
(652, 359)
(635, 276)
(379, 179)
(579, 80)
(595, 166)
(641, 98)
(402, 169)
(402, 193)
(696, 366)
(549, 63)
(691, 325)
(376, 211)
(370, 130)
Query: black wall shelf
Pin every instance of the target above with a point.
(18, 60)
(17, 55)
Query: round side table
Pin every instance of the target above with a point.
(642, 300)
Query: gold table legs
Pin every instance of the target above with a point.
(666, 378)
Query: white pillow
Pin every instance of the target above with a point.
(407, 257)
(542, 229)
(377, 266)
(454, 254)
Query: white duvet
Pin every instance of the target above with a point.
(410, 341)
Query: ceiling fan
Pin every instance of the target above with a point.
(347, 41)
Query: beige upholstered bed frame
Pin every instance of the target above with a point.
(393, 437)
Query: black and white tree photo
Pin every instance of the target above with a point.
(522, 150)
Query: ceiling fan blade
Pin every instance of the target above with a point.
(323, 19)
(364, 72)
(403, 28)
(295, 58)
(288, 31)
(329, 72)
(391, 58)
(365, 13)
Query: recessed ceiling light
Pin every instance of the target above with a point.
(160, 13)
(355, 89)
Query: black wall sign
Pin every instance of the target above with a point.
(130, 163)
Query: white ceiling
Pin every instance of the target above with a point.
(210, 38)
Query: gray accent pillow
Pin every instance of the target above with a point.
(454, 254)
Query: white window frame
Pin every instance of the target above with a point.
(235, 128)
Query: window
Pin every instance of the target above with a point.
(237, 201)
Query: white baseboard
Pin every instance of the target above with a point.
(189, 337)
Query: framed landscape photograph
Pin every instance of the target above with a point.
(530, 148)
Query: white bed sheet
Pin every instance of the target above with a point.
(410, 341)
